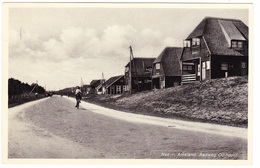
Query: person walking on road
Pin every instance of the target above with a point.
(78, 96)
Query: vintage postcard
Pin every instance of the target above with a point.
(127, 83)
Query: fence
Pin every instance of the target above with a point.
(188, 78)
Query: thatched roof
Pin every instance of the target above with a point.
(112, 80)
(141, 65)
(218, 33)
(95, 83)
(170, 60)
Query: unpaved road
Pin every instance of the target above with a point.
(54, 128)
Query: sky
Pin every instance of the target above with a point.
(59, 46)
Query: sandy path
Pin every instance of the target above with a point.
(26, 140)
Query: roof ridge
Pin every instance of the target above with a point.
(144, 58)
(172, 47)
(219, 18)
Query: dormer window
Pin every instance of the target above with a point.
(237, 44)
(195, 42)
(186, 43)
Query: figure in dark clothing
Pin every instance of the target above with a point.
(78, 96)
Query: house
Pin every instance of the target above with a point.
(85, 89)
(138, 74)
(167, 68)
(100, 89)
(115, 85)
(216, 48)
(96, 85)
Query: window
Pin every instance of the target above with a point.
(157, 66)
(224, 66)
(203, 65)
(126, 69)
(147, 81)
(125, 88)
(118, 89)
(186, 43)
(187, 67)
(237, 44)
(207, 64)
(234, 44)
(198, 69)
(243, 65)
(137, 82)
(195, 42)
(148, 69)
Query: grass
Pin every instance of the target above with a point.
(21, 100)
(222, 101)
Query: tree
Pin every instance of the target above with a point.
(16, 87)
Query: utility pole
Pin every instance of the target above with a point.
(103, 87)
(81, 83)
(130, 72)
(37, 86)
(82, 86)
(132, 58)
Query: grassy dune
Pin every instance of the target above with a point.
(222, 101)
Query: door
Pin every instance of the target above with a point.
(156, 83)
(224, 69)
(243, 69)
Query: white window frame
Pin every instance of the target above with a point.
(195, 42)
(125, 88)
(118, 89)
(199, 69)
(207, 65)
(186, 43)
(157, 66)
(204, 65)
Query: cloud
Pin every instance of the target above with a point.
(75, 42)
(82, 52)
(117, 37)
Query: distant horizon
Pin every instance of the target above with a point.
(59, 46)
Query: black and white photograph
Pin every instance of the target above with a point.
(124, 81)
